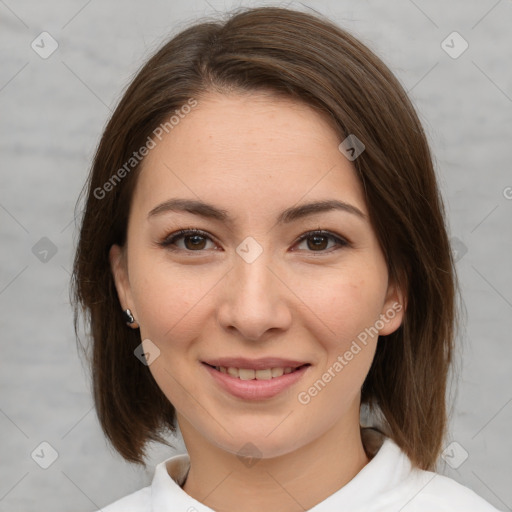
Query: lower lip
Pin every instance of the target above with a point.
(255, 389)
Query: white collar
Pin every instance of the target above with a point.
(385, 471)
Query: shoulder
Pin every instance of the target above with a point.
(429, 491)
(164, 492)
(138, 501)
(398, 485)
(452, 495)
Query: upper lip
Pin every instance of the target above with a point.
(255, 364)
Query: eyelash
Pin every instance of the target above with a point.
(170, 240)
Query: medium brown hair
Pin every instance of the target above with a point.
(311, 60)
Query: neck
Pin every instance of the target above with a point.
(302, 478)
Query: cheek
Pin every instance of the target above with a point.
(170, 304)
(348, 308)
(169, 300)
(345, 304)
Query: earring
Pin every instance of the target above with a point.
(130, 321)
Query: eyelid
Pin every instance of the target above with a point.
(181, 233)
(341, 241)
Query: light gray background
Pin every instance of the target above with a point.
(52, 114)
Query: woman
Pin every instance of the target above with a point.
(263, 257)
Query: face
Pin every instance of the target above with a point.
(303, 287)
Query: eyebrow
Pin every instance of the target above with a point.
(289, 215)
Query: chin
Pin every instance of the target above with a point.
(261, 443)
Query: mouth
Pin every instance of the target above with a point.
(261, 383)
(269, 373)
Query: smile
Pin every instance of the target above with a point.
(250, 384)
(250, 374)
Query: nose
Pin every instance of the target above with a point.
(255, 300)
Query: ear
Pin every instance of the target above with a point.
(394, 308)
(119, 271)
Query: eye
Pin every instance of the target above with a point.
(318, 241)
(194, 240)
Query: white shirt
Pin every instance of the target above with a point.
(388, 483)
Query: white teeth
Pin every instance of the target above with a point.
(277, 372)
(249, 374)
(233, 372)
(263, 374)
(244, 374)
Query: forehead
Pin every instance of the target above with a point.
(248, 150)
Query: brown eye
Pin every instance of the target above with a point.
(193, 240)
(318, 241)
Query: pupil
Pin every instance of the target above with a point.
(317, 242)
(316, 239)
(197, 241)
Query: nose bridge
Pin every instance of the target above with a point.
(253, 276)
(251, 263)
(255, 302)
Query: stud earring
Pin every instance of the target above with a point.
(130, 321)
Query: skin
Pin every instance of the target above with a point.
(255, 155)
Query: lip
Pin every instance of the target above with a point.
(255, 364)
(255, 389)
